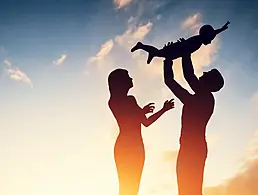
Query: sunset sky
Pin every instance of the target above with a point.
(56, 131)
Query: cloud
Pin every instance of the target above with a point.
(245, 181)
(133, 34)
(193, 23)
(17, 75)
(122, 3)
(61, 60)
(252, 149)
(159, 16)
(7, 63)
(116, 51)
(104, 51)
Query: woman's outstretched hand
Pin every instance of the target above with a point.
(168, 104)
(148, 108)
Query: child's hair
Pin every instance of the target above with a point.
(207, 32)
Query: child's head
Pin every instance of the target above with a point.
(207, 34)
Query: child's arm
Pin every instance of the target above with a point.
(225, 27)
(182, 94)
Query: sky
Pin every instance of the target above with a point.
(56, 131)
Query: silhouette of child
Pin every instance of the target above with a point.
(177, 49)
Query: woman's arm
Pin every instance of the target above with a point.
(167, 106)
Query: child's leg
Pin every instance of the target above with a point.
(148, 48)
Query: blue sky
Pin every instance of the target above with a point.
(55, 57)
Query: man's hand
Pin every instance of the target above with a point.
(168, 45)
(181, 40)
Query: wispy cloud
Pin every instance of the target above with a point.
(104, 51)
(60, 60)
(159, 17)
(122, 3)
(193, 22)
(17, 75)
(245, 181)
(120, 46)
(7, 63)
(133, 34)
(253, 146)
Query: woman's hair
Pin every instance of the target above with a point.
(116, 81)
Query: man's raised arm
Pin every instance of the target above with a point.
(182, 94)
(188, 71)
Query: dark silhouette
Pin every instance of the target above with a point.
(129, 149)
(197, 110)
(177, 49)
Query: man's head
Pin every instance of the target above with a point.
(212, 80)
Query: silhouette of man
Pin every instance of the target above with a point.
(197, 110)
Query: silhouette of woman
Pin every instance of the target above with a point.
(197, 110)
(129, 149)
